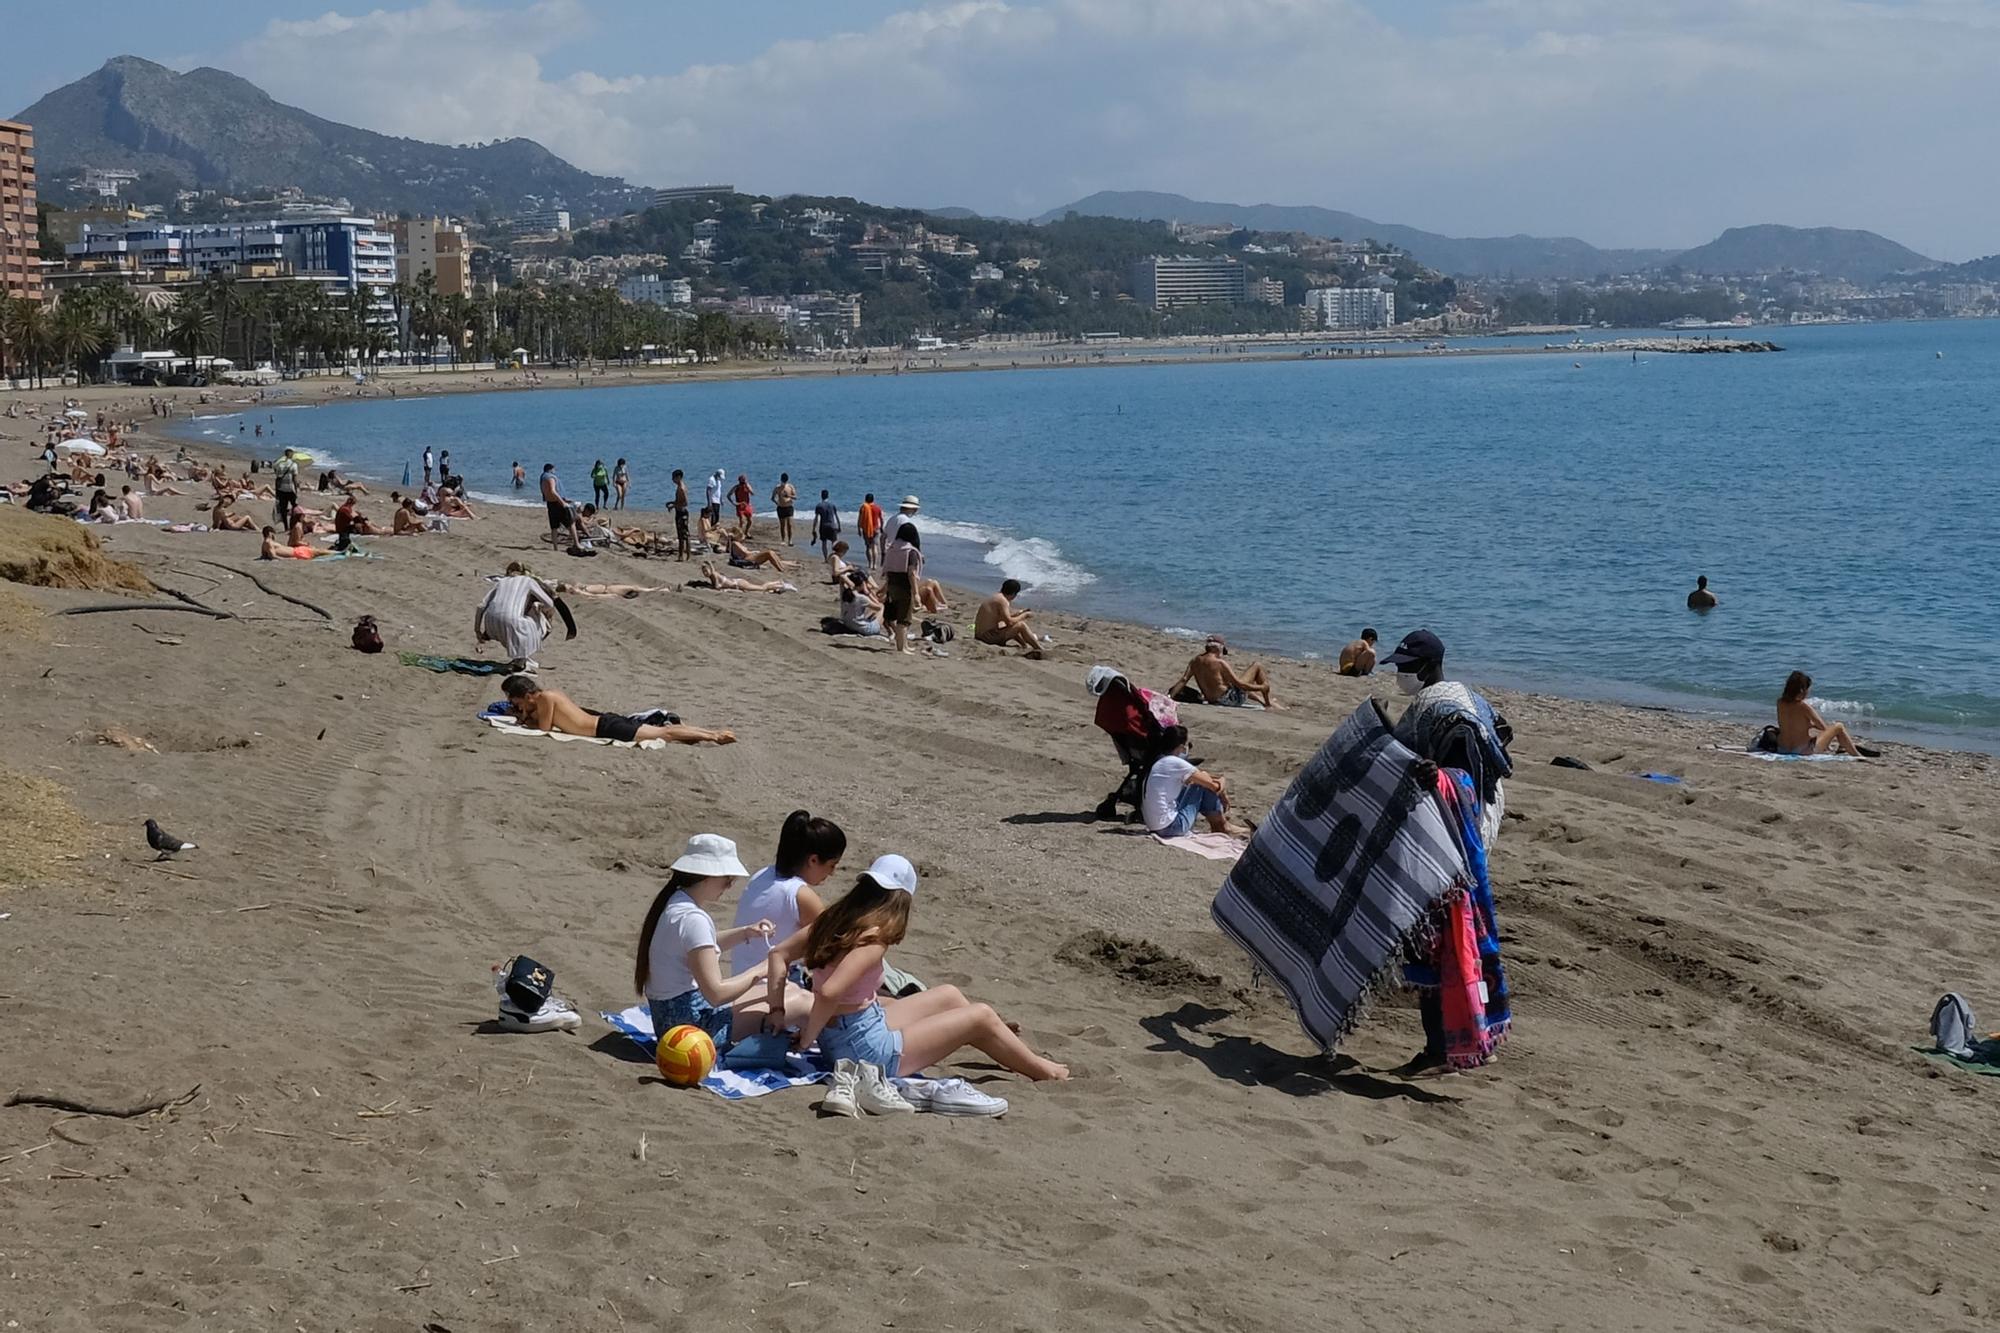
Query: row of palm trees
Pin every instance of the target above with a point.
(300, 326)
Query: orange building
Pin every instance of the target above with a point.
(20, 232)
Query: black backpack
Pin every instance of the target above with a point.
(367, 638)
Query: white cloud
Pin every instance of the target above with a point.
(1624, 123)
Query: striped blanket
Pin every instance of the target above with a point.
(730, 1084)
(1343, 873)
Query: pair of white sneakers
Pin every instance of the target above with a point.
(860, 1088)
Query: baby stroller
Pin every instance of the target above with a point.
(1135, 718)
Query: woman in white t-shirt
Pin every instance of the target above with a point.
(783, 893)
(679, 969)
(1177, 793)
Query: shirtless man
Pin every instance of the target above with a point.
(223, 520)
(1358, 658)
(552, 710)
(723, 583)
(408, 522)
(743, 557)
(1701, 599)
(561, 517)
(1218, 683)
(998, 623)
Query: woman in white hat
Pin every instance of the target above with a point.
(679, 969)
(845, 948)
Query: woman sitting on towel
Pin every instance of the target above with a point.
(679, 970)
(846, 949)
(785, 892)
(1801, 730)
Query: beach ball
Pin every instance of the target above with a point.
(685, 1055)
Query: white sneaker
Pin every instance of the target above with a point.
(877, 1095)
(555, 1015)
(839, 1099)
(950, 1096)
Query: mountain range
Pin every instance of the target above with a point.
(1861, 256)
(210, 129)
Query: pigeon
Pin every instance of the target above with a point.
(166, 844)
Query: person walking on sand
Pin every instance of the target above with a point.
(1801, 730)
(869, 523)
(903, 567)
(600, 484)
(681, 541)
(745, 499)
(1701, 599)
(562, 518)
(826, 524)
(784, 496)
(622, 480)
(285, 486)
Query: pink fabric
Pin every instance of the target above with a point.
(861, 992)
(1467, 1045)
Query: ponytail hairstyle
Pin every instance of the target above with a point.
(642, 971)
(805, 835)
(868, 914)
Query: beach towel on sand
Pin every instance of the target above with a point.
(1985, 1057)
(1772, 758)
(1343, 874)
(733, 1084)
(509, 726)
(464, 666)
(1214, 846)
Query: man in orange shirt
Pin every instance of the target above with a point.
(869, 520)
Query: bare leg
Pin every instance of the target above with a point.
(747, 1015)
(685, 735)
(1835, 738)
(933, 1037)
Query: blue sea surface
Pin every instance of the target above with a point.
(1546, 515)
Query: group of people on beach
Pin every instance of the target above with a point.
(814, 972)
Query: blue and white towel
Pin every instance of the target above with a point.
(731, 1084)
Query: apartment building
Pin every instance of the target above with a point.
(1166, 281)
(20, 230)
(436, 246)
(1352, 307)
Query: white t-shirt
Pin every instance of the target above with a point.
(1163, 791)
(684, 926)
(766, 897)
(714, 491)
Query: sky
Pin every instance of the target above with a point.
(1624, 122)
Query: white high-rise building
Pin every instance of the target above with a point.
(1352, 307)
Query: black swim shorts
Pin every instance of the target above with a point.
(558, 515)
(681, 524)
(612, 727)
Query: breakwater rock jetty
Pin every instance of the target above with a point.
(1674, 346)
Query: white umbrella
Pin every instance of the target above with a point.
(76, 412)
(80, 446)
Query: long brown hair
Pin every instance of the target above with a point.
(867, 910)
(642, 971)
(1797, 686)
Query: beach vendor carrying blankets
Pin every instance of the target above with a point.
(1373, 868)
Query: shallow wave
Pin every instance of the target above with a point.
(512, 499)
(1038, 562)
(1843, 707)
(1181, 632)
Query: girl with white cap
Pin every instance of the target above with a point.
(679, 969)
(845, 949)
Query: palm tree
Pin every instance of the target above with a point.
(24, 327)
(76, 334)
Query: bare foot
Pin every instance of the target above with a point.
(1052, 1072)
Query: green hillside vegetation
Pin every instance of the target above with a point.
(1078, 279)
(1858, 256)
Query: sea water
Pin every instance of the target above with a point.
(1545, 514)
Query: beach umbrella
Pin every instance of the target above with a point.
(80, 446)
(76, 412)
(406, 474)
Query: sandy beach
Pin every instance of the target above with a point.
(1709, 1115)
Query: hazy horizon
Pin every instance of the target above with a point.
(1628, 127)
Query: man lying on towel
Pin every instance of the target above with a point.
(552, 710)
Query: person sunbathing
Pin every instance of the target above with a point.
(1801, 730)
(607, 589)
(998, 623)
(552, 710)
(930, 596)
(223, 519)
(407, 522)
(271, 550)
(339, 483)
(846, 948)
(1216, 682)
(722, 583)
(452, 507)
(742, 557)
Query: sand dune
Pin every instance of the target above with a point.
(1709, 1116)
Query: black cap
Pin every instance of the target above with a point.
(1417, 646)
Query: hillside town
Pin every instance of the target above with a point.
(280, 279)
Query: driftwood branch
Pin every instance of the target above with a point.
(96, 1108)
(321, 612)
(197, 609)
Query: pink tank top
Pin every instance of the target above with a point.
(863, 991)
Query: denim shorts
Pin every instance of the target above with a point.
(865, 1037)
(692, 1007)
(1194, 802)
